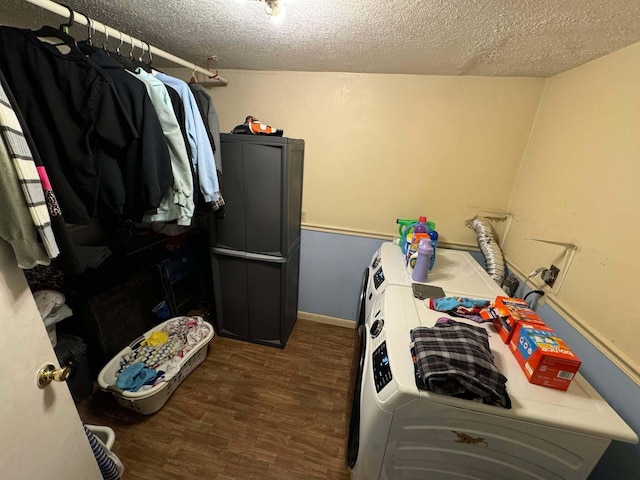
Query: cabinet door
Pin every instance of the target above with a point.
(230, 230)
(262, 186)
(294, 169)
(265, 299)
(263, 198)
(230, 290)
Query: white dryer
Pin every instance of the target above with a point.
(404, 433)
(455, 271)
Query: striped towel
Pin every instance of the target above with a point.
(110, 465)
(27, 172)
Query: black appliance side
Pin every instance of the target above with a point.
(357, 367)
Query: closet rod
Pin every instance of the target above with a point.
(81, 19)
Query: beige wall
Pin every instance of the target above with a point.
(380, 147)
(451, 146)
(579, 182)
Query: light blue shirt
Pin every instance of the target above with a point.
(177, 204)
(201, 152)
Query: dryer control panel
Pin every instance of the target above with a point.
(378, 278)
(381, 368)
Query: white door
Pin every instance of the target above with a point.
(42, 436)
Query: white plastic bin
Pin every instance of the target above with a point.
(104, 433)
(150, 401)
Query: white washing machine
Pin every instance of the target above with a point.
(455, 271)
(400, 432)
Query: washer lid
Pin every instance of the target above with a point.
(455, 271)
(579, 409)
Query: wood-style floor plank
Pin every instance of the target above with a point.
(248, 412)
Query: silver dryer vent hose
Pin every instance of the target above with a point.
(490, 249)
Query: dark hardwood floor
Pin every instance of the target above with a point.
(248, 412)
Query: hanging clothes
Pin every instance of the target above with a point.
(212, 125)
(201, 152)
(145, 163)
(178, 109)
(26, 171)
(202, 98)
(68, 258)
(210, 118)
(16, 225)
(177, 204)
(72, 111)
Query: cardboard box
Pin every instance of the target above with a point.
(506, 313)
(544, 358)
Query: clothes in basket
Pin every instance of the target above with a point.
(162, 352)
(172, 361)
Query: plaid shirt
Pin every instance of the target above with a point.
(454, 358)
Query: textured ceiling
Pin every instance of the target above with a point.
(532, 38)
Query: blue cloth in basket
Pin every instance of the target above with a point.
(135, 376)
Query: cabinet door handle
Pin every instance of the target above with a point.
(229, 252)
(264, 258)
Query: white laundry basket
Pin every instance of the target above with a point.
(105, 434)
(150, 401)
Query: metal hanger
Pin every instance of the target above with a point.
(133, 47)
(140, 62)
(120, 45)
(117, 55)
(149, 51)
(106, 38)
(193, 74)
(89, 32)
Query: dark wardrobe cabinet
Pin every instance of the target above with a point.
(255, 248)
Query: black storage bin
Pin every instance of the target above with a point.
(72, 352)
(186, 278)
(108, 320)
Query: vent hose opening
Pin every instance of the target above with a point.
(493, 257)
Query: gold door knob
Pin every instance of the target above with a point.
(49, 373)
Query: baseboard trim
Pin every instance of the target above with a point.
(316, 317)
